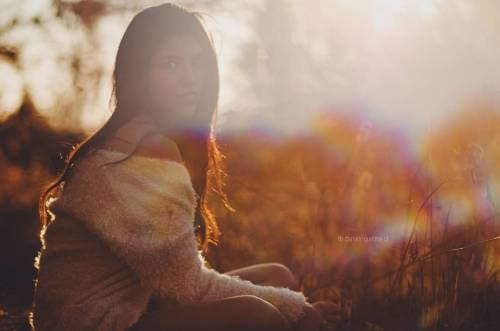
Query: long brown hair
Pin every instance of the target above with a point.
(198, 145)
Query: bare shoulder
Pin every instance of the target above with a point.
(159, 146)
(155, 145)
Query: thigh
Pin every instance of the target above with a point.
(241, 313)
(274, 274)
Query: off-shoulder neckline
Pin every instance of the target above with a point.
(140, 157)
(181, 165)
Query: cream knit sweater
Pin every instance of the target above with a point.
(122, 233)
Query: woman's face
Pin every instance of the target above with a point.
(175, 78)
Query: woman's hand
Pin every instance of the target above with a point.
(330, 312)
(319, 316)
(311, 321)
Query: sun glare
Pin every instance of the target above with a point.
(385, 11)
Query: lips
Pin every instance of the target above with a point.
(189, 94)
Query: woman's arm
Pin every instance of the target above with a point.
(143, 210)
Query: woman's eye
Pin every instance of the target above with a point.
(171, 64)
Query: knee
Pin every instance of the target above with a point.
(262, 315)
(284, 276)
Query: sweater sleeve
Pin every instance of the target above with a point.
(143, 210)
(213, 285)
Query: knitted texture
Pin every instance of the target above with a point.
(142, 211)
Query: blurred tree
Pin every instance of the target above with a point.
(64, 53)
(31, 154)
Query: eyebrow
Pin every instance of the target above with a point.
(176, 56)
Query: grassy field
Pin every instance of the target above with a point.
(405, 238)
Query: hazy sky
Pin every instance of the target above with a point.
(413, 62)
(409, 63)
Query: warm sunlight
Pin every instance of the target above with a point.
(342, 151)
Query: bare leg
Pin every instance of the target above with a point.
(273, 274)
(242, 313)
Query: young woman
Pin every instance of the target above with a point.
(121, 248)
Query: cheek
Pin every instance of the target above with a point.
(163, 88)
(163, 82)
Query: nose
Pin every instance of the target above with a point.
(190, 78)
